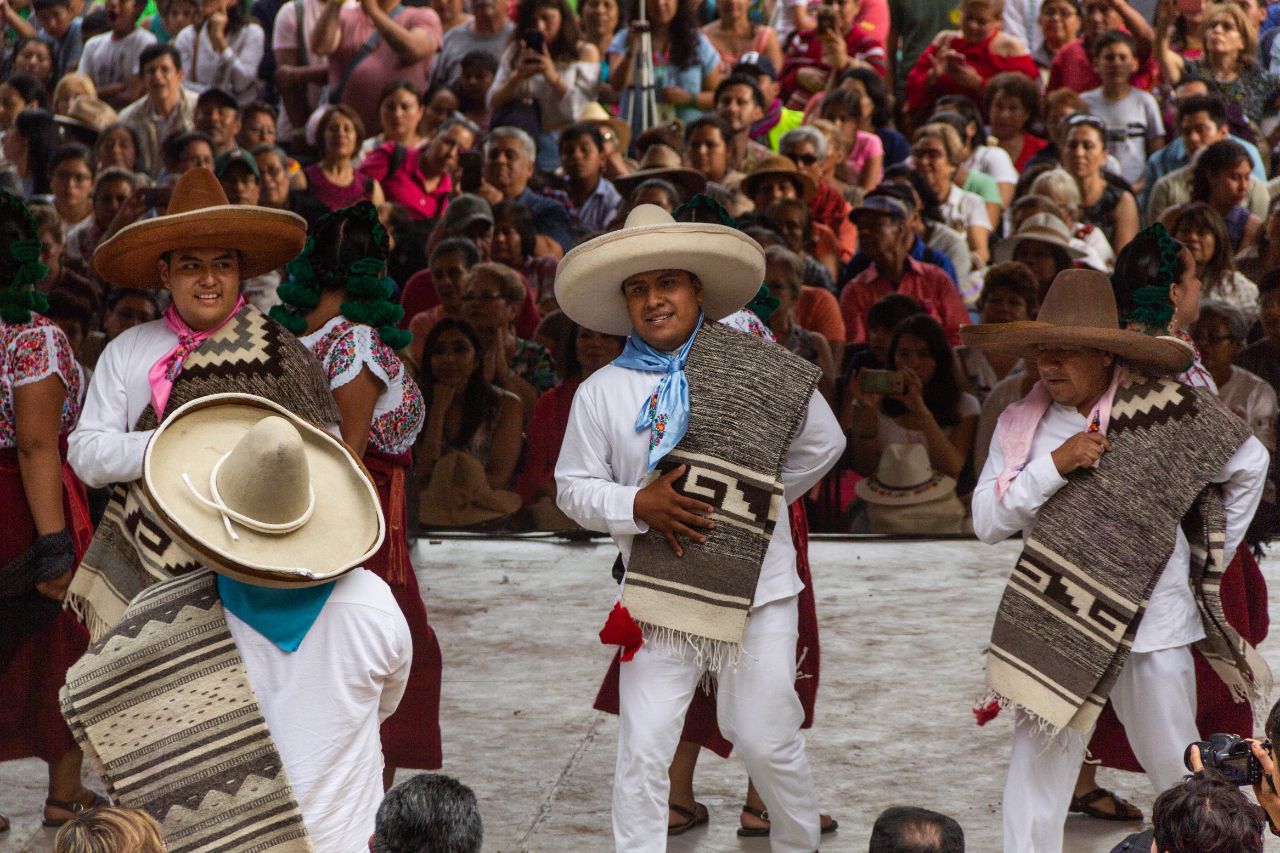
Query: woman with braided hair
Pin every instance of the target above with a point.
(46, 520)
(338, 300)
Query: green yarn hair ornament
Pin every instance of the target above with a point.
(762, 304)
(1152, 307)
(300, 292)
(19, 298)
(688, 212)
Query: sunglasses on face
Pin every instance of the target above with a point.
(803, 159)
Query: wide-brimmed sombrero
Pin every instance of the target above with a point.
(1041, 228)
(259, 494)
(199, 217)
(1080, 311)
(779, 166)
(904, 476)
(598, 115)
(589, 280)
(662, 161)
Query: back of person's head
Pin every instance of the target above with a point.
(1207, 814)
(109, 829)
(909, 829)
(890, 310)
(430, 812)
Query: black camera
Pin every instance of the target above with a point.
(1231, 756)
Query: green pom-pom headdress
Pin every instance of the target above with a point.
(19, 298)
(369, 289)
(1152, 306)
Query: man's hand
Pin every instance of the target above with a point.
(672, 514)
(1082, 450)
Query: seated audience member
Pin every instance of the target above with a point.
(1198, 227)
(582, 156)
(509, 157)
(739, 101)
(1105, 201)
(488, 33)
(170, 18)
(333, 180)
(707, 152)
(814, 56)
(257, 125)
(111, 191)
(1012, 101)
(188, 150)
(123, 309)
(1031, 204)
(1010, 293)
(1132, 116)
(1060, 187)
(883, 317)
(981, 184)
(943, 246)
(223, 47)
(886, 238)
(584, 352)
(960, 62)
(472, 424)
(783, 271)
(218, 117)
(1220, 175)
(905, 191)
(807, 148)
(450, 262)
(550, 335)
(477, 70)
(981, 155)
(932, 410)
(900, 829)
(64, 273)
(863, 165)
(110, 829)
(1043, 244)
(117, 146)
(74, 316)
(662, 163)
(1264, 255)
(778, 119)
(791, 217)
(1263, 355)
(421, 180)
(62, 27)
(273, 166)
(936, 154)
(492, 295)
(1206, 814)
(399, 113)
(70, 170)
(817, 309)
(239, 175)
(429, 811)
(1074, 65)
(1059, 105)
(514, 244)
(906, 496)
(467, 216)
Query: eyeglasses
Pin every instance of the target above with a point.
(803, 159)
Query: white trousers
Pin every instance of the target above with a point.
(1155, 699)
(757, 709)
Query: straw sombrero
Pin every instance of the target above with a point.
(662, 161)
(1080, 311)
(199, 217)
(589, 280)
(596, 114)
(260, 495)
(1042, 228)
(904, 476)
(778, 165)
(86, 113)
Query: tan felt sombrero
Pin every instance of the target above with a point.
(779, 166)
(1080, 311)
(259, 494)
(662, 161)
(199, 217)
(589, 280)
(596, 114)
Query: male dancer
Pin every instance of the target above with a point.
(730, 431)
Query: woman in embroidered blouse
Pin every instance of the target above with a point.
(340, 304)
(1229, 62)
(561, 78)
(46, 522)
(333, 180)
(222, 50)
(685, 62)
(734, 33)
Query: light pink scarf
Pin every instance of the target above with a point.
(163, 373)
(1018, 425)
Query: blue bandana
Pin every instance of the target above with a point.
(666, 413)
(283, 616)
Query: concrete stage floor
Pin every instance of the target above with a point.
(903, 627)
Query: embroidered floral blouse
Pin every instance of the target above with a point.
(28, 353)
(343, 349)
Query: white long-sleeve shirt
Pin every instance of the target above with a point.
(101, 449)
(324, 703)
(604, 459)
(1171, 619)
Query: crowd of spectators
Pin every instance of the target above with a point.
(910, 167)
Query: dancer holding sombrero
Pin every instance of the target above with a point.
(729, 431)
(208, 341)
(1111, 590)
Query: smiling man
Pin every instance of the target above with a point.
(730, 430)
(166, 109)
(208, 341)
(1128, 487)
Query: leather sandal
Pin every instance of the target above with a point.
(763, 831)
(698, 816)
(75, 808)
(1125, 811)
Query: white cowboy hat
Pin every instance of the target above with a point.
(904, 476)
(589, 280)
(260, 495)
(1043, 228)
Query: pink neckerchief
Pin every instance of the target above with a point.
(163, 373)
(1018, 425)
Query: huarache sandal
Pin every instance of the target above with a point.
(829, 824)
(699, 816)
(1124, 811)
(75, 808)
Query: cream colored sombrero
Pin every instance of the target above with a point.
(589, 280)
(199, 217)
(259, 494)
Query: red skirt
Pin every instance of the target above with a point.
(33, 667)
(700, 724)
(410, 736)
(1244, 602)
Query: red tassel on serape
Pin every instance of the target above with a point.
(986, 713)
(621, 630)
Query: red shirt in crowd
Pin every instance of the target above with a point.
(925, 283)
(921, 94)
(1072, 68)
(405, 185)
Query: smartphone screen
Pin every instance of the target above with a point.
(472, 163)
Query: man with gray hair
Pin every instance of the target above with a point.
(509, 156)
(430, 812)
